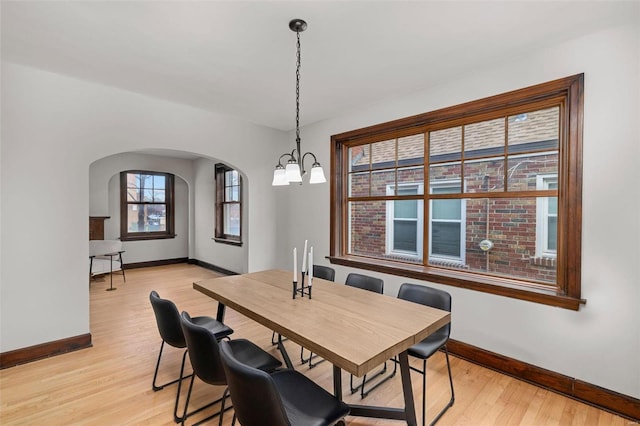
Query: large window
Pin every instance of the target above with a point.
(503, 209)
(228, 227)
(146, 205)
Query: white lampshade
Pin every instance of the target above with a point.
(280, 177)
(317, 174)
(293, 172)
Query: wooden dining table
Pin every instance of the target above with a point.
(355, 330)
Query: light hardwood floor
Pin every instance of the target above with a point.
(110, 383)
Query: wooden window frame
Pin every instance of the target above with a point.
(568, 92)
(125, 235)
(220, 236)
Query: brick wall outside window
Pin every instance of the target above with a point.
(512, 222)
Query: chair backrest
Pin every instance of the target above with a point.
(204, 352)
(365, 282)
(168, 320)
(427, 296)
(256, 400)
(324, 272)
(100, 247)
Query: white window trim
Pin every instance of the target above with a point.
(542, 213)
(463, 225)
(419, 219)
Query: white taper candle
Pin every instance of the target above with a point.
(304, 258)
(295, 264)
(310, 266)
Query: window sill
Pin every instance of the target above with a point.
(494, 285)
(226, 241)
(147, 237)
(543, 261)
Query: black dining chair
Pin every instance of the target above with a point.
(423, 350)
(365, 282)
(376, 285)
(325, 273)
(204, 354)
(168, 321)
(283, 398)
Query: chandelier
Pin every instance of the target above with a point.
(294, 169)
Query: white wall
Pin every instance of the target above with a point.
(599, 344)
(195, 210)
(53, 128)
(230, 257)
(105, 173)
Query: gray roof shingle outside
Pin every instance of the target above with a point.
(534, 126)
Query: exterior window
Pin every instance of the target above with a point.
(405, 223)
(228, 205)
(547, 219)
(146, 205)
(504, 179)
(447, 226)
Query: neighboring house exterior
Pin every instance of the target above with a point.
(513, 236)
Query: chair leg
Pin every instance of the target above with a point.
(186, 404)
(453, 397)
(274, 339)
(186, 414)
(361, 386)
(424, 390)
(311, 358)
(155, 374)
(302, 359)
(157, 387)
(222, 401)
(222, 409)
(364, 393)
(175, 407)
(354, 390)
(452, 400)
(90, 270)
(122, 267)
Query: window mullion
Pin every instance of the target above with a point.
(426, 223)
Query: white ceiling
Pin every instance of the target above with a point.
(238, 57)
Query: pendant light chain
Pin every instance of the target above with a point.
(298, 91)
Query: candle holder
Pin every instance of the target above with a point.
(303, 290)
